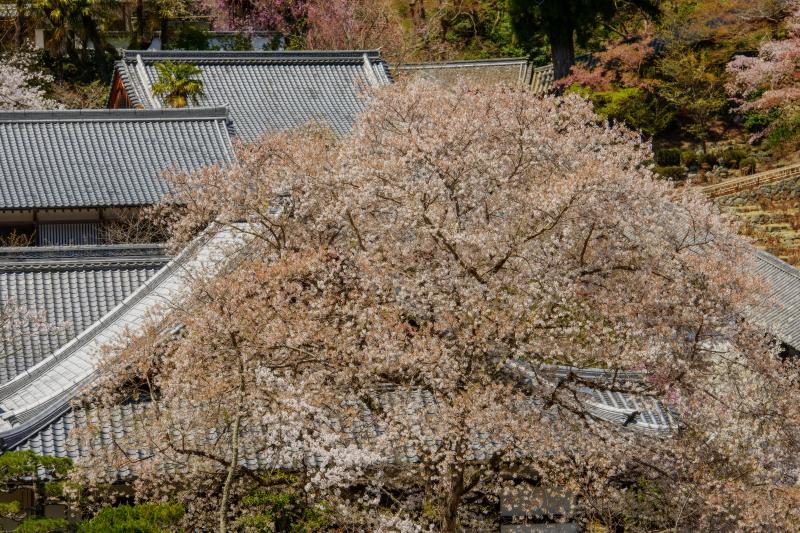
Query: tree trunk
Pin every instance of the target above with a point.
(19, 28)
(562, 45)
(234, 464)
(452, 500)
(139, 23)
(164, 32)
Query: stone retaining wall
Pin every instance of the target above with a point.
(782, 190)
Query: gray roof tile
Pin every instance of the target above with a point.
(103, 158)
(267, 91)
(782, 315)
(74, 286)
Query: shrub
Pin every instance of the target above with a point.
(672, 172)
(190, 38)
(637, 108)
(709, 159)
(731, 157)
(748, 165)
(756, 121)
(42, 525)
(238, 42)
(690, 159)
(668, 157)
(784, 130)
(143, 518)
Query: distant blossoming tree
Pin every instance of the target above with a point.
(769, 80)
(20, 84)
(354, 25)
(387, 338)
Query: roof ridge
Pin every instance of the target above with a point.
(14, 259)
(116, 115)
(465, 62)
(255, 57)
(267, 54)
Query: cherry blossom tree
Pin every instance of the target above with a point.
(286, 16)
(769, 80)
(354, 25)
(20, 84)
(388, 338)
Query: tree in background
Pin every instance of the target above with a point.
(565, 21)
(355, 25)
(75, 32)
(694, 88)
(286, 16)
(178, 83)
(617, 82)
(386, 336)
(765, 87)
(21, 84)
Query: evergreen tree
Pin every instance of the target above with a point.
(565, 20)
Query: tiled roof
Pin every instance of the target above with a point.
(267, 91)
(103, 158)
(782, 315)
(515, 70)
(44, 392)
(74, 286)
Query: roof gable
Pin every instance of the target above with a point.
(267, 91)
(104, 158)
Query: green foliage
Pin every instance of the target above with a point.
(41, 525)
(9, 509)
(690, 159)
(237, 42)
(784, 130)
(692, 84)
(190, 37)
(18, 464)
(731, 157)
(479, 29)
(631, 105)
(282, 509)
(71, 25)
(748, 165)
(675, 172)
(668, 157)
(178, 83)
(529, 18)
(564, 22)
(274, 43)
(142, 518)
(756, 121)
(708, 160)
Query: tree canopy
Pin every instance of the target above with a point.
(388, 336)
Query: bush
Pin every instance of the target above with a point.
(668, 157)
(755, 121)
(690, 160)
(637, 108)
(708, 160)
(672, 172)
(142, 518)
(748, 165)
(190, 38)
(238, 42)
(784, 130)
(731, 157)
(42, 525)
